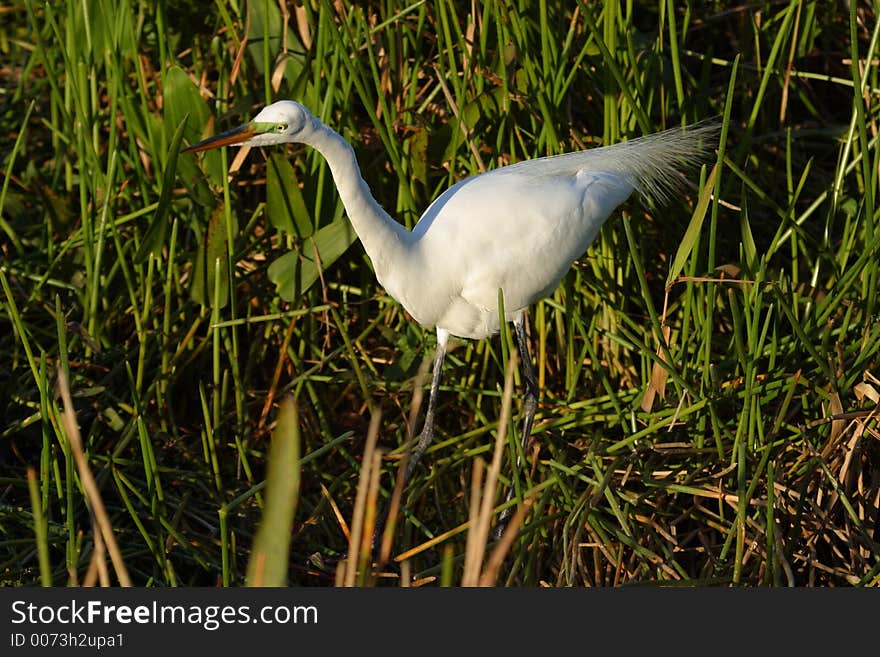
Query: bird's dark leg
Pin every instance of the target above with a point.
(530, 405)
(427, 434)
(530, 398)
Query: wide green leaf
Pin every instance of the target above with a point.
(266, 26)
(182, 98)
(212, 249)
(284, 201)
(750, 251)
(295, 272)
(158, 230)
(693, 229)
(270, 555)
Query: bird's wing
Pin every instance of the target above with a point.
(520, 227)
(651, 164)
(517, 229)
(531, 182)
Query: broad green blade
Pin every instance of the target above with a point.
(750, 251)
(693, 230)
(158, 230)
(295, 272)
(267, 565)
(211, 249)
(285, 206)
(182, 98)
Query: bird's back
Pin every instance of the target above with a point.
(519, 228)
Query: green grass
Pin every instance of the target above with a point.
(709, 371)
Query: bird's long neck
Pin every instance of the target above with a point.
(384, 240)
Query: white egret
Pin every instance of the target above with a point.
(517, 228)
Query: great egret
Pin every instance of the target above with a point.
(517, 228)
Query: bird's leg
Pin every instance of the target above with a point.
(530, 398)
(530, 405)
(427, 434)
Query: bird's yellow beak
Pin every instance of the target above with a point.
(231, 137)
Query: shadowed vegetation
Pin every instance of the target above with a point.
(709, 369)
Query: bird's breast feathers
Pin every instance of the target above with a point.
(512, 232)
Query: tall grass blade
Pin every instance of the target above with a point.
(267, 565)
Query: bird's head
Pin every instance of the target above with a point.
(279, 123)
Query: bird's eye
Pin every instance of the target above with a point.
(281, 127)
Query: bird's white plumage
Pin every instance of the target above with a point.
(517, 228)
(504, 229)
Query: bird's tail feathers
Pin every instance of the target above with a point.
(656, 163)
